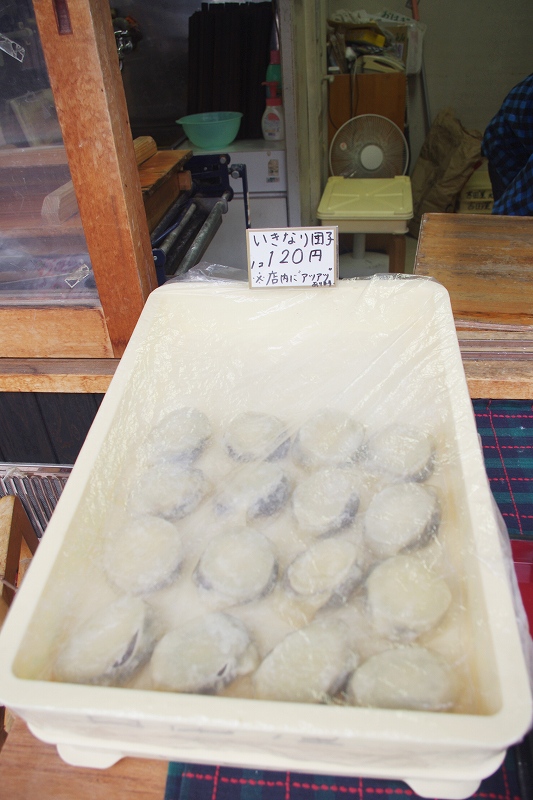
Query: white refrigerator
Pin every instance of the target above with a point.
(267, 187)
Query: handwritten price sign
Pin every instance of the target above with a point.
(292, 257)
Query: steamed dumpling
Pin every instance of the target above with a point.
(168, 490)
(256, 490)
(252, 436)
(203, 656)
(109, 647)
(405, 597)
(143, 555)
(180, 436)
(240, 565)
(329, 438)
(401, 517)
(402, 451)
(328, 569)
(326, 502)
(307, 666)
(405, 677)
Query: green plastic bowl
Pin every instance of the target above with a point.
(213, 129)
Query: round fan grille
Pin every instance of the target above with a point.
(368, 146)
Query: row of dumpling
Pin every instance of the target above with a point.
(324, 500)
(328, 438)
(404, 600)
(146, 553)
(314, 664)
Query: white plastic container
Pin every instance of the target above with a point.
(383, 348)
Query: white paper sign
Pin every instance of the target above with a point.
(291, 257)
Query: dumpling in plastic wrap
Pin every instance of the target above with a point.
(326, 502)
(403, 452)
(329, 438)
(239, 565)
(406, 598)
(180, 436)
(109, 647)
(307, 666)
(168, 490)
(143, 556)
(253, 436)
(401, 517)
(406, 677)
(328, 569)
(203, 656)
(256, 490)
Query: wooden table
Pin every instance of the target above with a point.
(30, 769)
(486, 263)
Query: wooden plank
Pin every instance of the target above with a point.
(157, 203)
(51, 155)
(484, 262)
(19, 179)
(54, 332)
(18, 543)
(91, 375)
(499, 380)
(30, 225)
(91, 107)
(17, 538)
(61, 204)
(159, 167)
(55, 155)
(29, 769)
(145, 147)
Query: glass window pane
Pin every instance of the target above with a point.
(43, 252)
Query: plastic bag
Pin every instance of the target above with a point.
(447, 159)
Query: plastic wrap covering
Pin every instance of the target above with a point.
(282, 504)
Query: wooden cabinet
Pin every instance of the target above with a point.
(352, 95)
(52, 339)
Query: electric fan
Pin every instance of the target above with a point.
(367, 146)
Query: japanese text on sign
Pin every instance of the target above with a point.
(292, 257)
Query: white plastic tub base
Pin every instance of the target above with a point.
(80, 751)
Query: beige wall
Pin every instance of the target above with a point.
(475, 51)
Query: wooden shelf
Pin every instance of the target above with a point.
(79, 375)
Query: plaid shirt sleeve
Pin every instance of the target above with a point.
(517, 200)
(508, 145)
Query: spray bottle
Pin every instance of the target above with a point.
(273, 121)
